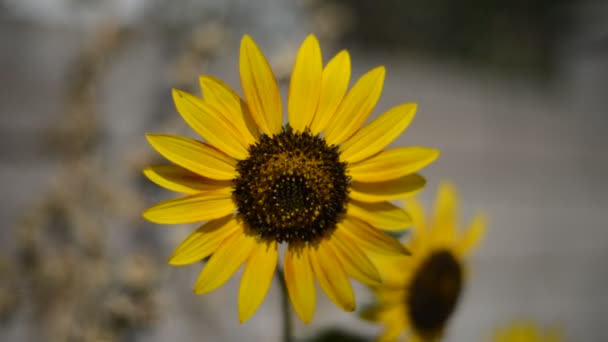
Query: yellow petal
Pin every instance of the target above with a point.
(300, 282)
(394, 275)
(420, 230)
(446, 209)
(305, 85)
(226, 260)
(395, 321)
(356, 107)
(194, 156)
(368, 237)
(392, 164)
(178, 179)
(382, 215)
(205, 240)
(388, 190)
(372, 138)
(194, 208)
(331, 277)
(210, 124)
(354, 260)
(416, 211)
(260, 88)
(334, 83)
(219, 95)
(257, 278)
(474, 234)
(381, 312)
(392, 333)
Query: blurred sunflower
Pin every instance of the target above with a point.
(420, 292)
(320, 184)
(526, 332)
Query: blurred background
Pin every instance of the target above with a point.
(513, 93)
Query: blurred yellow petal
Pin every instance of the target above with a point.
(383, 215)
(178, 179)
(446, 208)
(402, 187)
(194, 208)
(334, 83)
(416, 211)
(194, 156)
(331, 276)
(300, 282)
(305, 85)
(226, 260)
(356, 107)
(392, 164)
(372, 138)
(257, 278)
(210, 124)
(471, 237)
(368, 237)
(354, 260)
(392, 269)
(205, 240)
(260, 88)
(219, 95)
(392, 333)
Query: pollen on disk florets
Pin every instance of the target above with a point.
(434, 292)
(292, 187)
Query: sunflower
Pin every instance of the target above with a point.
(526, 332)
(420, 292)
(319, 184)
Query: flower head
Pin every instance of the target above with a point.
(319, 184)
(420, 292)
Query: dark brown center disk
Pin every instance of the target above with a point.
(434, 293)
(292, 187)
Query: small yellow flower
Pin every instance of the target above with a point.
(526, 332)
(421, 292)
(320, 184)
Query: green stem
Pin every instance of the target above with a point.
(285, 307)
